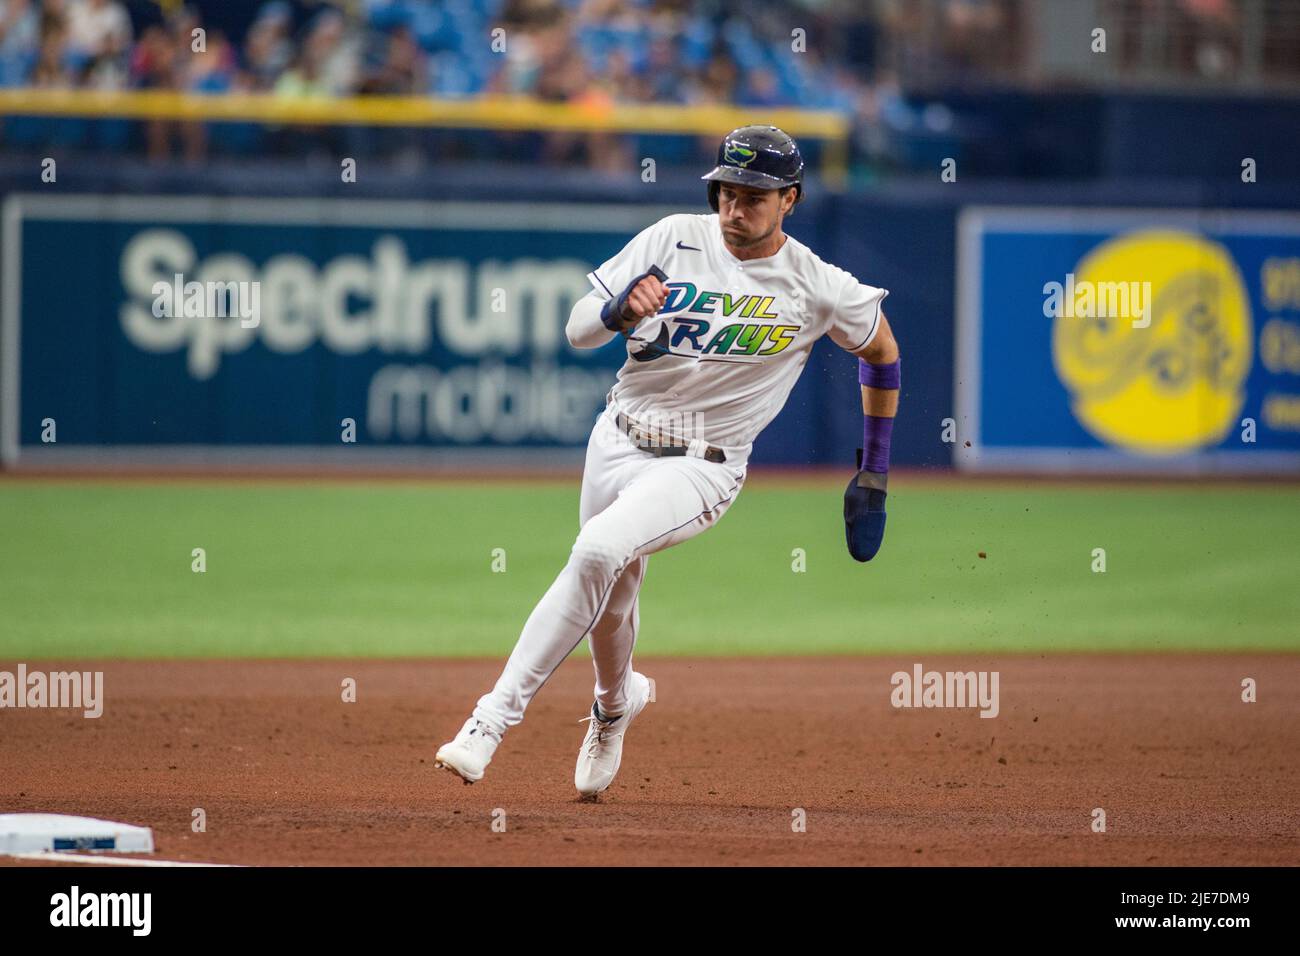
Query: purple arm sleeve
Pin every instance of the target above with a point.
(877, 431)
(879, 376)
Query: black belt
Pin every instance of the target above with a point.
(648, 440)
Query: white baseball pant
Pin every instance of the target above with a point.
(633, 504)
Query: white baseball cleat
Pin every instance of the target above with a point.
(602, 749)
(469, 754)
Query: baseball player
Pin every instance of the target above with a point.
(719, 313)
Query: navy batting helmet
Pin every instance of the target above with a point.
(763, 157)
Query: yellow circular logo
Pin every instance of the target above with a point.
(1153, 340)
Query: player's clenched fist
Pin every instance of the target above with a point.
(644, 296)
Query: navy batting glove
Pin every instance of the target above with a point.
(612, 312)
(864, 513)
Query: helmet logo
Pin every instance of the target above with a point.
(738, 155)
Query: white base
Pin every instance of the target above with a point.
(37, 832)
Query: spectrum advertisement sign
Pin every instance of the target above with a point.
(158, 322)
(1128, 340)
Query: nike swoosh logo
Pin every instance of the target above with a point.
(680, 245)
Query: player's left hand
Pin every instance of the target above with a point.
(864, 514)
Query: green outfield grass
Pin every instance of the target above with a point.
(103, 570)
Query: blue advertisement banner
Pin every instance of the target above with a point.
(1128, 340)
(161, 322)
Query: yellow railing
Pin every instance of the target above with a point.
(506, 113)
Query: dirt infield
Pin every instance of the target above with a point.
(287, 773)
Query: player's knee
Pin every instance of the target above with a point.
(597, 557)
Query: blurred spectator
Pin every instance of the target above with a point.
(51, 67)
(1209, 37)
(328, 61)
(212, 69)
(338, 49)
(20, 31)
(303, 78)
(403, 69)
(179, 55)
(267, 49)
(153, 61)
(98, 27)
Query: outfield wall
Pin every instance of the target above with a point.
(429, 311)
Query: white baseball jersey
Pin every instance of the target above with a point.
(730, 342)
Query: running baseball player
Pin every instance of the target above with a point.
(719, 313)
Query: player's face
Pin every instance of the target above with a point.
(749, 216)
